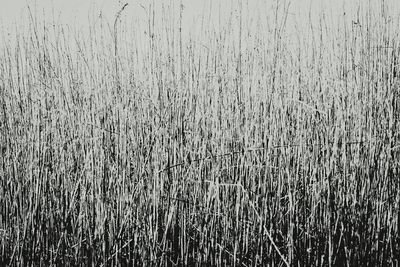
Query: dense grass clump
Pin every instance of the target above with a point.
(239, 146)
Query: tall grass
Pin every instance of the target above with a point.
(240, 146)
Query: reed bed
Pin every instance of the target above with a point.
(245, 146)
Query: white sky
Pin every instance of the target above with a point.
(80, 12)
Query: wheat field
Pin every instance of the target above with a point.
(242, 146)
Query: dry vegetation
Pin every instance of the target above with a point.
(145, 148)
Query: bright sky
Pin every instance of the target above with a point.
(80, 12)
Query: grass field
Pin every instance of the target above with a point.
(241, 146)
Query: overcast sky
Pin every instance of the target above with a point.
(14, 12)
